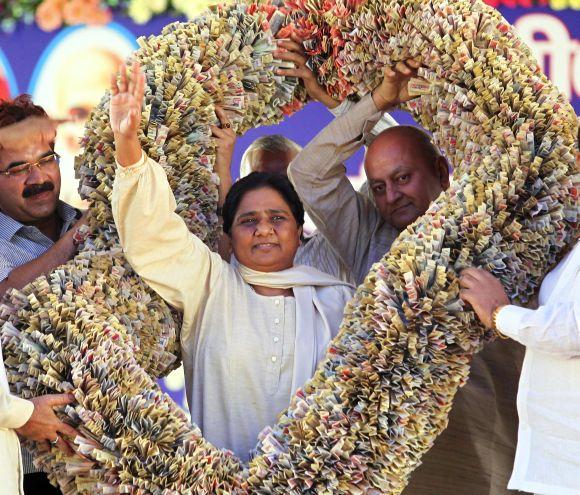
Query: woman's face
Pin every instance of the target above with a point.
(265, 235)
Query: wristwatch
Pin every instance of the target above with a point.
(494, 321)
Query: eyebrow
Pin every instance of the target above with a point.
(255, 212)
(17, 164)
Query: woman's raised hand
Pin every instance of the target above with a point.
(127, 92)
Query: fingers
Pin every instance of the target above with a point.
(223, 117)
(122, 81)
(114, 85)
(61, 444)
(134, 118)
(468, 279)
(465, 295)
(66, 429)
(58, 399)
(134, 85)
(218, 132)
(64, 446)
(140, 86)
(405, 67)
(297, 39)
(137, 82)
(414, 63)
(302, 73)
(291, 46)
(131, 80)
(297, 58)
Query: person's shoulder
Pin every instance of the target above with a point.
(340, 292)
(8, 227)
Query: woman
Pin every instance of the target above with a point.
(548, 451)
(251, 334)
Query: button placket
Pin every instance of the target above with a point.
(276, 338)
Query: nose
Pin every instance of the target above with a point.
(392, 194)
(36, 175)
(264, 227)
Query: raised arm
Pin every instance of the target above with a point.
(384, 123)
(156, 241)
(346, 218)
(225, 140)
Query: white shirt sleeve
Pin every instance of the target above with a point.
(14, 411)
(156, 241)
(551, 329)
(385, 122)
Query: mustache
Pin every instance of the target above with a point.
(35, 189)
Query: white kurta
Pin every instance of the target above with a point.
(238, 346)
(548, 452)
(14, 412)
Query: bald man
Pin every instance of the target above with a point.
(405, 173)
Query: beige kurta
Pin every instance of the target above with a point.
(474, 455)
(14, 412)
(238, 347)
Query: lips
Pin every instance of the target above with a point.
(265, 245)
(41, 196)
(401, 208)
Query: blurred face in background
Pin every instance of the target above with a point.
(273, 162)
(82, 82)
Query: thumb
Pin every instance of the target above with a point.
(59, 399)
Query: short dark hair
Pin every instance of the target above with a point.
(21, 107)
(258, 180)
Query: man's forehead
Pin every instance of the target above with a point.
(28, 153)
(392, 156)
(275, 162)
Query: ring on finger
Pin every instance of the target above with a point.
(55, 441)
(227, 125)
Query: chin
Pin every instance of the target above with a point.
(267, 264)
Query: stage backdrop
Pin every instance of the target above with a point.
(67, 71)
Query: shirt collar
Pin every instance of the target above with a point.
(67, 213)
(10, 227)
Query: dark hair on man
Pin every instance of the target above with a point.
(21, 107)
(259, 180)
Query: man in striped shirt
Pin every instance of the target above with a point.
(35, 237)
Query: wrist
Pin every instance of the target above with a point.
(494, 324)
(381, 102)
(127, 149)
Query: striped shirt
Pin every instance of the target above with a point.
(20, 244)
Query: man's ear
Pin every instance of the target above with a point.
(443, 170)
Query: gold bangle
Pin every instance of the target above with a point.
(494, 321)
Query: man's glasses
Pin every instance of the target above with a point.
(23, 169)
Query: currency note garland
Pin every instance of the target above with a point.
(383, 393)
